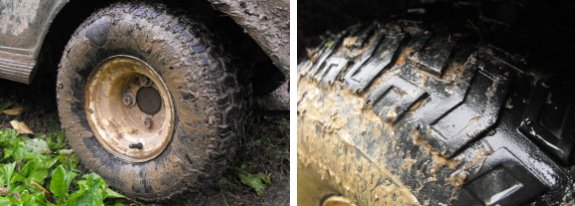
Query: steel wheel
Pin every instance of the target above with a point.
(129, 108)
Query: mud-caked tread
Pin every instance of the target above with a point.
(444, 103)
(209, 100)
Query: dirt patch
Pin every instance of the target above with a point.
(264, 150)
(38, 101)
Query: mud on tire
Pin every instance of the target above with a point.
(395, 114)
(207, 98)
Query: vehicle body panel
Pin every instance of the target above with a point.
(267, 22)
(24, 24)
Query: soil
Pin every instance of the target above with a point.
(265, 148)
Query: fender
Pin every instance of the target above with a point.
(266, 21)
(25, 23)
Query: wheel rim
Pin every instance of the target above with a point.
(337, 200)
(129, 108)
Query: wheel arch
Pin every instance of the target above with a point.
(268, 51)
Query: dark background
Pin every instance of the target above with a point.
(542, 32)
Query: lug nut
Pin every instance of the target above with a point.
(148, 122)
(129, 100)
(143, 81)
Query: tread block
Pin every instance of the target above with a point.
(325, 52)
(444, 97)
(331, 69)
(451, 121)
(363, 35)
(502, 180)
(372, 63)
(476, 115)
(393, 99)
(548, 118)
(434, 56)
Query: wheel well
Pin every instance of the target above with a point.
(259, 68)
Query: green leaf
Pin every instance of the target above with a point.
(113, 194)
(19, 150)
(7, 171)
(67, 158)
(33, 199)
(330, 44)
(6, 105)
(16, 178)
(91, 191)
(37, 169)
(5, 201)
(57, 141)
(19, 189)
(61, 180)
(258, 181)
(9, 200)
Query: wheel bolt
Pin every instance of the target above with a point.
(129, 100)
(143, 81)
(148, 122)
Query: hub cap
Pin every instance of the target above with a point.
(129, 108)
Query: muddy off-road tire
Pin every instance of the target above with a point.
(148, 101)
(400, 114)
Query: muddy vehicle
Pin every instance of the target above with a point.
(436, 102)
(151, 95)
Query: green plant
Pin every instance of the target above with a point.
(258, 182)
(43, 171)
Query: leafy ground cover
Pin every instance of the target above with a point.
(44, 171)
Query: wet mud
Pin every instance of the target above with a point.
(329, 134)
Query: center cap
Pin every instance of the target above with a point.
(149, 100)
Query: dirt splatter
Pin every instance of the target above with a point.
(15, 16)
(438, 160)
(336, 153)
(403, 56)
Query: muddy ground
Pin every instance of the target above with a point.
(265, 148)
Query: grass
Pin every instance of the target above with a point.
(44, 171)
